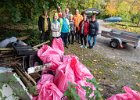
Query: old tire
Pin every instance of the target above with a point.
(114, 43)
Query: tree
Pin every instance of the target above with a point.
(123, 10)
(111, 9)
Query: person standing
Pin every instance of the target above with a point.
(55, 27)
(77, 19)
(72, 30)
(65, 28)
(93, 31)
(67, 13)
(44, 25)
(59, 12)
(84, 30)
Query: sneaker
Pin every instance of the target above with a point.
(81, 46)
(85, 47)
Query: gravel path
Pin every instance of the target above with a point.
(127, 60)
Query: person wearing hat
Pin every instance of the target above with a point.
(93, 31)
(44, 25)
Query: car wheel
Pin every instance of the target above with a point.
(114, 43)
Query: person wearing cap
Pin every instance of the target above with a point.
(84, 30)
(44, 25)
(65, 28)
(55, 27)
(77, 19)
(93, 31)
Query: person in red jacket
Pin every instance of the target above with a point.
(84, 30)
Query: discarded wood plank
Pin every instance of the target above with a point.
(39, 45)
(6, 49)
(30, 78)
(23, 78)
(29, 81)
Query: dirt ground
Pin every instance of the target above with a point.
(113, 68)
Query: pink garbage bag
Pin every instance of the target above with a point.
(57, 43)
(129, 95)
(64, 74)
(80, 71)
(49, 91)
(49, 55)
(44, 78)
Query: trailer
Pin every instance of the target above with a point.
(119, 38)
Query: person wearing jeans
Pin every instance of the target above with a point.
(93, 31)
(84, 30)
(89, 40)
(65, 28)
(72, 30)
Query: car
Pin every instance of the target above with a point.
(113, 19)
(89, 12)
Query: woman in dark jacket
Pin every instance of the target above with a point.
(93, 31)
(44, 25)
(84, 30)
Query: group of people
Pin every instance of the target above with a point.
(69, 27)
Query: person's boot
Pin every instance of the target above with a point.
(66, 46)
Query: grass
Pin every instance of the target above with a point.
(127, 26)
(112, 76)
(99, 66)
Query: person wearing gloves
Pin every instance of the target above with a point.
(44, 25)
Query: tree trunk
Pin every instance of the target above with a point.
(138, 23)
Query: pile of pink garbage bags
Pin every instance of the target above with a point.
(64, 69)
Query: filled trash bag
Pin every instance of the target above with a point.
(49, 55)
(80, 71)
(129, 95)
(5, 42)
(44, 78)
(47, 90)
(64, 74)
(57, 44)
